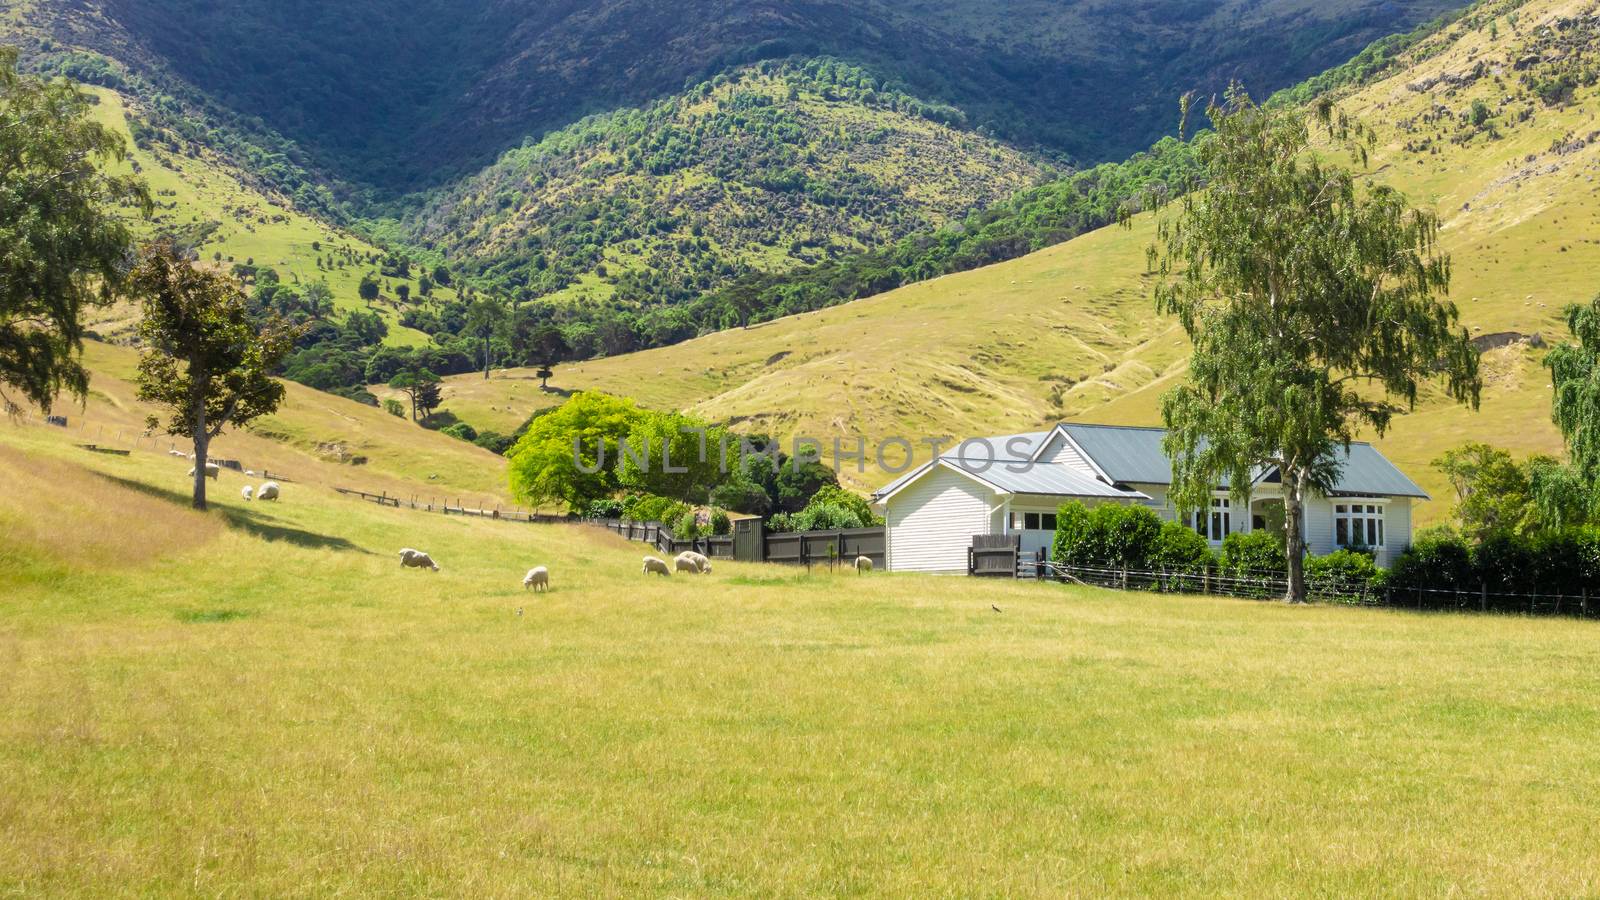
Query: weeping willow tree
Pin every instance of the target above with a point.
(1313, 304)
(1575, 376)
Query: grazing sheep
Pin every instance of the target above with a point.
(250, 473)
(863, 565)
(658, 566)
(416, 559)
(685, 562)
(178, 453)
(212, 471)
(705, 564)
(267, 491)
(247, 492)
(537, 578)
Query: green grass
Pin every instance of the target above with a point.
(260, 701)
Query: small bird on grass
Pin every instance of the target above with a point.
(993, 607)
(519, 610)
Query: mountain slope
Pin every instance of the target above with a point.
(763, 169)
(1069, 332)
(396, 96)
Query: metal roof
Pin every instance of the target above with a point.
(1134, 455)
(1018, 476)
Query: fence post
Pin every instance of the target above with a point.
(1483, 596)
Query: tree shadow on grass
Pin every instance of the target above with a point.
(256, 524)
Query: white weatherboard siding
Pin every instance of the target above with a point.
(1059, 450)
(1397, 530)
(931, 522)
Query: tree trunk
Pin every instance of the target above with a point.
(485, 358)
(202, 444)
(1294, 541)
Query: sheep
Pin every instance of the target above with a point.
(267, 491)
(705, 564)
(416, 559)
(212, 471)
(863, 565)
(178, 453)
(249, 473)
(246, 492)
(537, 578)
(658, 566)
(685, 562)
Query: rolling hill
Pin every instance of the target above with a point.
(1069, 332)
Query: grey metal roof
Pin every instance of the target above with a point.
(1020, 476)
(1134, 455)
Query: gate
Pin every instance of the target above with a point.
(994, 555)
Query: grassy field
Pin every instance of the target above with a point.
(259, 701)
(1070, 333)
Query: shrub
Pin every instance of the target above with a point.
(461, 431)
(608, 508)
(720, 523)
(1439, 559)
(857, 504)
(780, 523)
(1181, 550)
(494, 441)
(825, 516)
(394, 407)
(651, 508)
(1111, 535)
(1342, 575)
(686, 527)
(1253, 553)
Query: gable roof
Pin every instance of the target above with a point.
(1130, 454)
(1015, 476)
(1134, 455)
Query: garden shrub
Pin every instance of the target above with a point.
(1181, 550)
(720, 523)
(1109, 536)
(1253, 553)
(1342, 575)
(608, 508)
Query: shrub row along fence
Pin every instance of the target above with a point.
(435, 504)
(1271, 585)
(752, 542)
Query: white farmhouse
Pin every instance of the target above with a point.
(1013, 484)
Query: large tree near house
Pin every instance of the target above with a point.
(203, 358)
(1314, 304)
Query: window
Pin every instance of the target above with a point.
(1216, 524)
(1358, 525)
(1039, 521)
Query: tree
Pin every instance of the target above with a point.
(486, 317)
(368, 289)
(681, 456)
(203, 358)
(1575, 407)
(319, 299)
(65, 248)
(422, 386)
(1312, 306)
(1491, 490)
(560, 457)
(546, 347)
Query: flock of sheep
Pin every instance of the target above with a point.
(267, 491)
(538, 577)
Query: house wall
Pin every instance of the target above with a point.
(1058, 449)
(1396, 528)
(931, 522)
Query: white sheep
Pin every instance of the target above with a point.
(178, 453)
(212, 471)
(250, 473)
(267, 491)
(416, 559)
(863, 565)
(537, 578)
(685, 562)
(247, 491)
(658, 566)
(705, 564)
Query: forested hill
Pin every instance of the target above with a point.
(391, 96)
(767, 168)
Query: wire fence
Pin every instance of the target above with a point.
(1354, 592)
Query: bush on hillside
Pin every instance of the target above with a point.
(494, 441)
(394, 407)
(461, 431)
(607, 508)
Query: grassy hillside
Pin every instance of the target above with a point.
(259, 700)
(763, 169)
(201, 199)
(315, 439)
(1069, 332)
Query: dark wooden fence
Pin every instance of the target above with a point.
(751, 542)
(994, 555)
(458, 509)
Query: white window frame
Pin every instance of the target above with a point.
(1363, 516)
(1218, 515)
(1019, 521)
